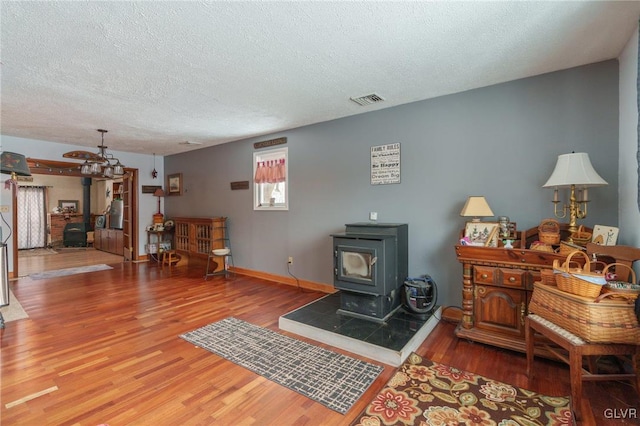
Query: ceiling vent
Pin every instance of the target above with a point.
(368, 99)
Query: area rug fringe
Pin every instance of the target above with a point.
(337, 381)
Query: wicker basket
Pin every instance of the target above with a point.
(549, 231)
(604, 321)
(566, 248)
(622, 289)
(581, 237)
(540, 246)
(577, 280)
(548, 277)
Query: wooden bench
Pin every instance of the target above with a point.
(576, 348)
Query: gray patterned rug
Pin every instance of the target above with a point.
(332, 379)
(69, 271)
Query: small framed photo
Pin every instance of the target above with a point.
(68, 205)
(605, 235)
(174, 184)
(482, 233)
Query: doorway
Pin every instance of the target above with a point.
(86, 255)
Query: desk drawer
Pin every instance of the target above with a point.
(515, 278)
(485, 275)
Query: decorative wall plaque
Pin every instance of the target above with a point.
(150, 189)
(242, 184)
(270, 142)
(385, 164)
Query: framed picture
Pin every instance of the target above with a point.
(68, 205)
(174, 184)
(482, 233)
(605, 235)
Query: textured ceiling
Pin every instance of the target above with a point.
(156, 74)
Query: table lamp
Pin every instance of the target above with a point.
(15, 165)
(476, 207)
(158, 217)
(573, 171)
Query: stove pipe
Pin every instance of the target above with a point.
(86, 200)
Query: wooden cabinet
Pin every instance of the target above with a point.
(500, 299)
(497, 285)
(196, 237)
(109, 240)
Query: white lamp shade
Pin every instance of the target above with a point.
(476, 207)
(574, 169)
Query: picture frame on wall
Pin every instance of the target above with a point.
(482, 233)
(68, 205)
(174, 184)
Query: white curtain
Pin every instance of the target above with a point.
(32, 217)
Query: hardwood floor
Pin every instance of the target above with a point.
(29, 262)
(103, 347)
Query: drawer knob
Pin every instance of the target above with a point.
(484, 275)
(512, 279)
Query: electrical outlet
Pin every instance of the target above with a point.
(373, 215)
(290, 260)
(4, 209)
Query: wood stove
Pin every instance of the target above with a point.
(75, 234)
(370, 262)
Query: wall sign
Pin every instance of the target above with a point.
(271, 142)
(243, 184)
(150, 189)
(385, 164)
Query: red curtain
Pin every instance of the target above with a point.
(271, 171)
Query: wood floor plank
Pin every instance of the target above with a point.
(109, 343)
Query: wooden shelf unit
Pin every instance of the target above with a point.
(195, 237)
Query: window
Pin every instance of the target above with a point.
(271, 180)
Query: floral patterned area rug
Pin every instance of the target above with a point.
(423, 392)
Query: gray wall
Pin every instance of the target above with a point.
(500, 141)
(629, 187)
